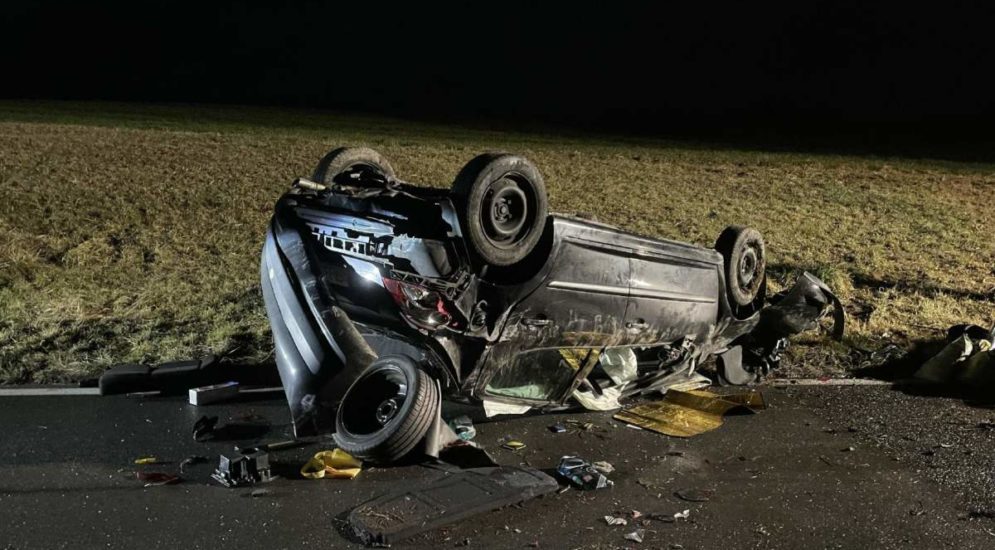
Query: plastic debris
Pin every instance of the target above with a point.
(636, 536)
(693, 495)
(156, 479)
(333, 464)
(147, 460)
(683, 515)
(203, 428)
(205, 395)
(943, 366)
(463, 427)
(685, 414)
(612, 520)
(251, 467)
(603, 467)
(259, 493)
(191, 460)
(582, 474)
(557, 428)
(513, 445)
(584, 426)
(494, 408)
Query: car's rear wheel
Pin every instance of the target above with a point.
(745, 260)
(352, 165)
(387, 411)
(502, 207)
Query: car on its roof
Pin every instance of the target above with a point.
(386, 297)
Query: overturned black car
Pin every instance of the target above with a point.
(385, 297)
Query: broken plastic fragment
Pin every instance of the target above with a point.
(493, 408)
(685, 414)
(147, 460)
(603, 467)
(612, 520)
(333, 464)
(513, 445)
(636, 536)
(463, 427)
(582, 474)
(683, 515)
(156, 479)
(557, 428)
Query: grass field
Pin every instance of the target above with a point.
(132, 233)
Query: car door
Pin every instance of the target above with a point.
(674, 291)
(579, 305)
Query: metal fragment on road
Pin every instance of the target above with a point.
(685, 414)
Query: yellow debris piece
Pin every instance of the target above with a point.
(689, 413)
(333, 464)
(146, 460)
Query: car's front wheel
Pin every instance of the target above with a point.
(346, 165)
(387, 411)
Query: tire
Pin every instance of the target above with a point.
(367, 427)
(502, 207)
(351, 161)
(745, 260)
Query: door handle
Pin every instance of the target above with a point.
(638, 324)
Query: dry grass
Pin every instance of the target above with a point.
(133, 233)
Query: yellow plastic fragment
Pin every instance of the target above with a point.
(685, 414)
(146, 460)
(333, 464)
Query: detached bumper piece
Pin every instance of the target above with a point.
(173, 377)
(394, 517)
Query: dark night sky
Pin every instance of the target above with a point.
(643, 67)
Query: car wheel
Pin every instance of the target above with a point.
(742, 248)
(346, 163)
(387, 410)
(502, 207)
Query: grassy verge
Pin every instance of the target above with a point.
(132, 233)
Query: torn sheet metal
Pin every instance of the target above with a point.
(333, 464)
(686, 414)
(396, 516)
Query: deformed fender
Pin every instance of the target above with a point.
(799, 309)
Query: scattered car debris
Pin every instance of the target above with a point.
(557, 428)
(563, 325)
(636, 536)
(172, 377)
(333, 464)
(582, 474)
(157, 479)
(512, 444)
(583, 426)
(256, 493)
(686, 414)
(215, 393)
(246, 469)
(191, 460)
(270, 447)
(462, 426)
(682, 515)
(967, 359)
(613, 520)
(204, 427)
(694, 495)
(147, 460)
(393, 517)
(603, 467)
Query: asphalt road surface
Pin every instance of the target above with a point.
(840, 467)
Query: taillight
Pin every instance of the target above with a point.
(424, 307)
